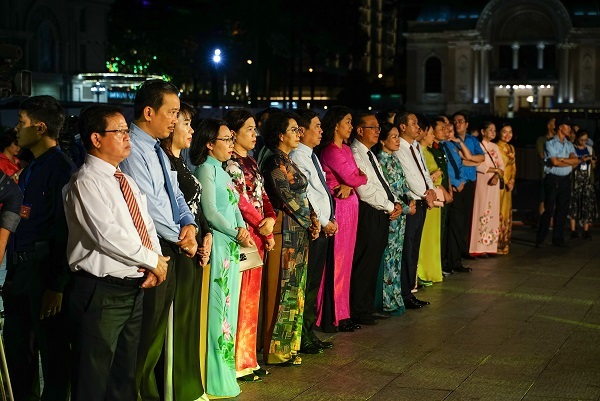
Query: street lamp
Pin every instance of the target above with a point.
(98, 89)
(216, 58)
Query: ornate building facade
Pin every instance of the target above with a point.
(508, 56)
(58, 40)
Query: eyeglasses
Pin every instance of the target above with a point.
(295, 130)
(120, 132)
(459, 121)
(376, 128)
(229, 139)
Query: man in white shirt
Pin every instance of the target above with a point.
(320, 250)
(377, 206)
(114, 251)
(421, 190)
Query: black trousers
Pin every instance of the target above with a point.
(557, 196)
(371, 241)
(319, 252)
(104, 324)
(410, 249)
(456, 244)
(468, 202)
(26, 337)
(157, 302)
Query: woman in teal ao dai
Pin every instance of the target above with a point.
(389, 293)
(212, 145)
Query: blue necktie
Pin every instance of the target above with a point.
(322, 178)
(168, 186)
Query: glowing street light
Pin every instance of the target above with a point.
(217, 56)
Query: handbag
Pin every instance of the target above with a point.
(249, 258)
(500, 179)
(439, 194)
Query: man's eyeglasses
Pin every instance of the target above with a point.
(296, 130)
(376, 128)
(120, 132)
(229, 139)
(459, 122)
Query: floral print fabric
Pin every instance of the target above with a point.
(507, 152)
(391, 295)
(485, 226)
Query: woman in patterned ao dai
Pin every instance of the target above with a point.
(259, 215)
(485, 226)
(507, 151)
(389, 291)
(286, 265)
(211, 146)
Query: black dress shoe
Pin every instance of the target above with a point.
(421, 302)
(462, 269)
(367, 320)
(412, 304)
(447, 272)
(381, 315)
(346, 327)
(560, 244)
(317, 341)
(324, 344)
(310, 348)
(356, 326)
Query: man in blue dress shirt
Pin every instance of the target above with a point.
(456, 236)
(461, 124)
(156, 107)
(560, 158)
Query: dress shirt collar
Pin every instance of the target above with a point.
(405, 144)
(303, 149)
(100, 165)
(358, 145)
(142, 136)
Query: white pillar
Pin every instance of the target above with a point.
(565, 92)
(476, 48)
(540, 55)
(515, 59)
(485, 73)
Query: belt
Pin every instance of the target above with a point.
(163, 242)
(132, 282)
(20, 257)
(558, 176)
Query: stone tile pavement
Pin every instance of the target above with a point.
(525, 326)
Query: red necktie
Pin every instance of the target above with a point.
(134, 210)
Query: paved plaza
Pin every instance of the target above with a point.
(520, 327)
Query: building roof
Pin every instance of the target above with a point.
(440, 15)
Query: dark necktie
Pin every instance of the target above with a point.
(134, 210)
(455, 167)
(380, 177)
(414, 155)
(322, 178)
(168, 186)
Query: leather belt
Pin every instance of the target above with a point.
(132, 282)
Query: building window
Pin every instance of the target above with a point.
(82, 57)
(82, 20)
(433, 75)
(47, 47)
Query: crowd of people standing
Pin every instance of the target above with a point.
(145, 283)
